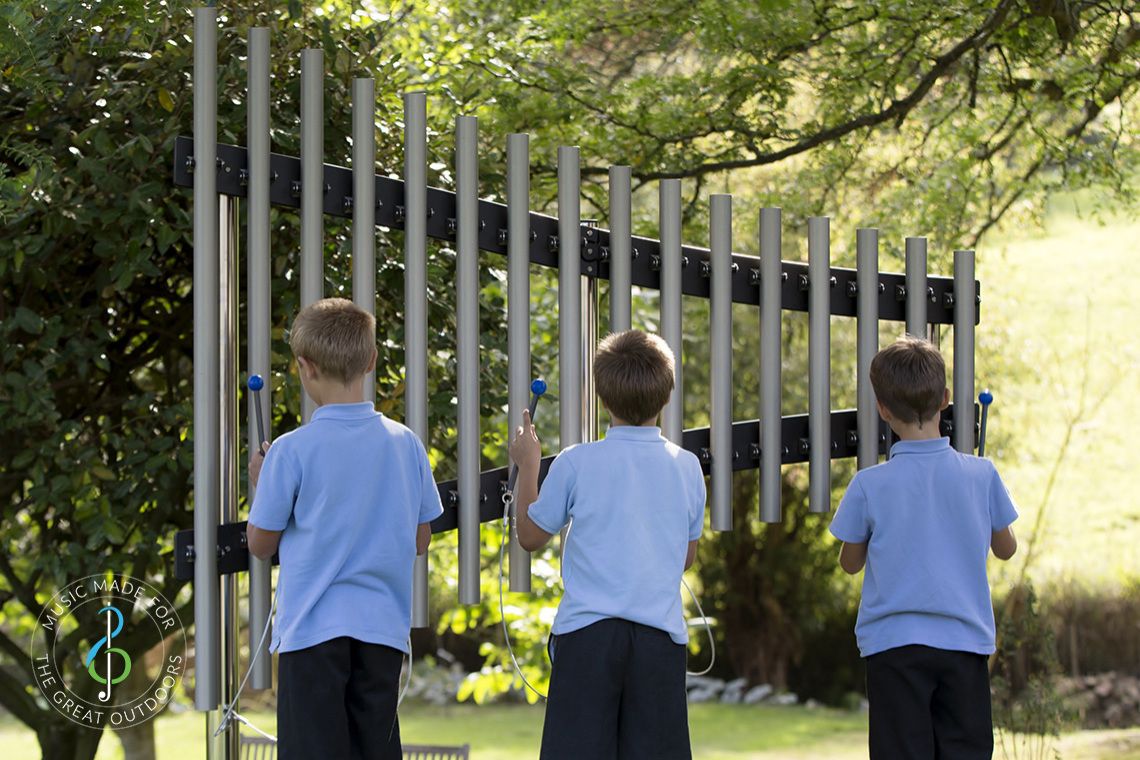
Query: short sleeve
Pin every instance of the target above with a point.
(850, 523)
(698, 496)
(276, 490)
(430, 505)
(1002, 509)
(551, 511)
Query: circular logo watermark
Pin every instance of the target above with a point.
(83, 658)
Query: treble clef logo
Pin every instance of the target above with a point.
(90, 662)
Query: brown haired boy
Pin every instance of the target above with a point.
(635, 502)
(922, 523)
(348, 498)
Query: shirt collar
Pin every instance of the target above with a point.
(358, 411)
(927, 446)
(633, 433)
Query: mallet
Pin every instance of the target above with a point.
(255, 384)
(537, 388)
(985, 398)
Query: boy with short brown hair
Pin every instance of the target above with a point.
(635, 502)
(348, 498)
(922, 523)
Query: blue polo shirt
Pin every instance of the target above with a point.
(348, 490)
(634, 501)
(929, 514)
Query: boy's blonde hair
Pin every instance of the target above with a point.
(909, 378)
(633, 372)
(337, 336)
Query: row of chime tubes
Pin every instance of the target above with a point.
(569, 304)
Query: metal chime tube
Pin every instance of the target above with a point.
(415, 305)
(819, 365)
(916, 286)
(672, 417)
(771, 446)
(364, 206)
(518, 319)
(621, 249)
(467, 351)
(720, 369)
(229, 438)
(312, 188)
(965, 307)
(867, 343)
(207, 692)
(259, 319)
(589, 332)
(569, 298)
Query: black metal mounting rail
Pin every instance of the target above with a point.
(233, 553)
(285, 190)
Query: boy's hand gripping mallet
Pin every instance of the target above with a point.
(985, 398)
(537, 388)
(255, 384)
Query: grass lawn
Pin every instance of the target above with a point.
(719, 732)
(1061, 301)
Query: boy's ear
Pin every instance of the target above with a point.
(372, 363)
(883, 413)
(307, 368)
(945, 399)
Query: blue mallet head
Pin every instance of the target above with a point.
(255, 383)
(538, 387)
(986, 398)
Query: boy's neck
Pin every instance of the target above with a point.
(911, 431)
(325, 392)
(616, 421)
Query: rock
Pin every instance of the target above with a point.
(733, 691)
(757, 694)
(811, 704)
(784, 698)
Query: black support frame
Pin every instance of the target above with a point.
(285, 190)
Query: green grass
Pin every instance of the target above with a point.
(1062, 303)
(719, 732)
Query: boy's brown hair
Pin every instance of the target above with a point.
(337, 336)
(633, 373)
(909, 378)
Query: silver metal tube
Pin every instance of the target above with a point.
(207, 692)
(621, 249)
(569, 298)
(916, 286)
(672, 417)
(312, 188)
(518, 319)
(965, 307)
(229, 445)
(364, 205)
(720, 359)
(258, 324)
(415, 305)
(771, 422)
(589, 332)
(467, 351)
(819, 364)
(866, 343)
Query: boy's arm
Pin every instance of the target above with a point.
(852, 557)
(1004, 543)
(526, 451)
(531, 537)
(691, 555)
(262, 543)
(423, 538)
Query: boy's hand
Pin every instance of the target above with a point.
(255, 462)
(526, 450)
